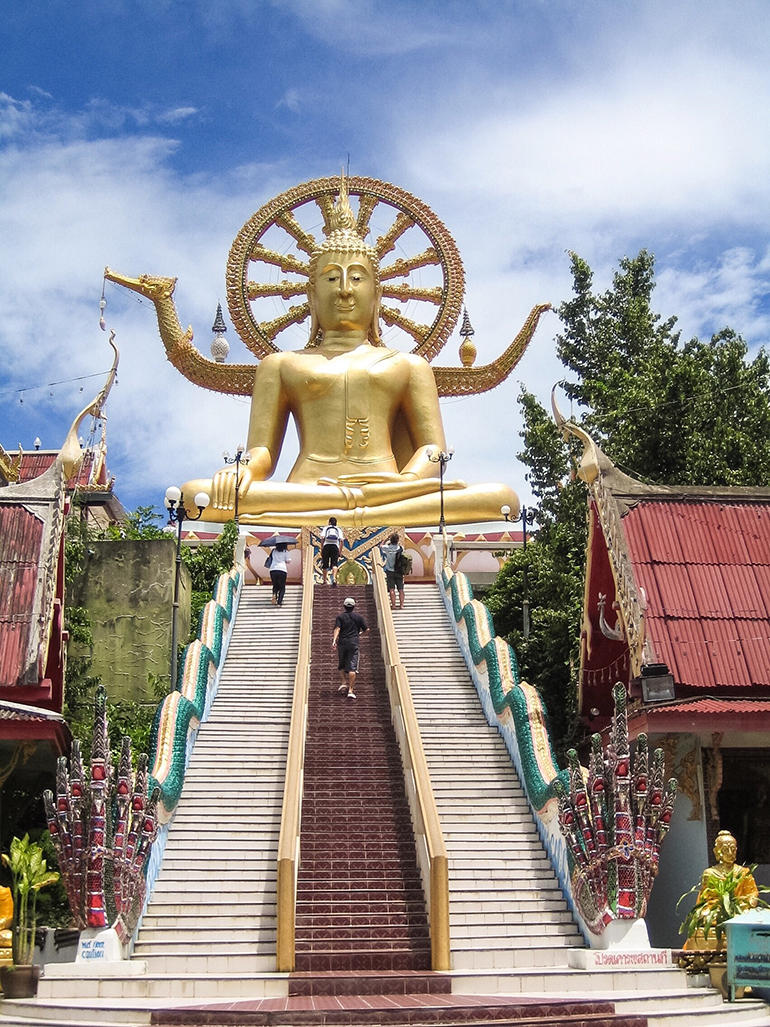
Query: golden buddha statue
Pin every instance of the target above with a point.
(367, 417)
(726, 851)
(6, 920)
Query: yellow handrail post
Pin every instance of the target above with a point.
(291, 818)
(419, 787)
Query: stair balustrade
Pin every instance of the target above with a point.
(429, 840)
(291, 819)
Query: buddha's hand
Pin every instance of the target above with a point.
(388, 478)
(223, 486)
(369, 478)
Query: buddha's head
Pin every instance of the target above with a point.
(344, 283)
(725, 848)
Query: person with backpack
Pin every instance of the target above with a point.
(331, 543)
(347, 628)
(392, 556)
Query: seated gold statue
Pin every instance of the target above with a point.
(367, 417)
(6, 919)
(725, 851)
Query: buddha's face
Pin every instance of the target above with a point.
(344, 293)
(726, 849)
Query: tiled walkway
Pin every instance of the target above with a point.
(399, 1009)
(360, 904)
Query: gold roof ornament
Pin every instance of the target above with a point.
(467, 346)
(70, 456)
(10, 466)
(271, 262)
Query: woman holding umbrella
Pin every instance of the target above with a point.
(279, 566)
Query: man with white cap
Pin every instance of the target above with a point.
(347, 628)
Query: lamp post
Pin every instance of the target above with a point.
(525, 518)
(174, 503)
(437, 456)
(241, 457)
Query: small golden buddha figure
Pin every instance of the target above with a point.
(712, 889)
(367, 417)
(725, 851)
(6, 919)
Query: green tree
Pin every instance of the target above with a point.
(696, 413)
(553, 562)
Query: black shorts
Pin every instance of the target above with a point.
(347, 658)
(330, 554)
(394, 581)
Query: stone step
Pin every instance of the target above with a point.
(207, 918)
(488, 932)
(166, 907)
(534, 954)
(233, 864)
(521, 905)
(206, 939)
(506, 908)
(232, 962)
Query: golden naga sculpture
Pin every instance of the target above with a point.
(367, 416)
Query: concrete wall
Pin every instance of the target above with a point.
(684, 854)
(128, 590)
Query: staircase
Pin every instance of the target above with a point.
(213, 906)
(208, 938)
(506, 907)
(360, 903)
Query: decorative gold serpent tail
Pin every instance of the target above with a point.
(469, 381)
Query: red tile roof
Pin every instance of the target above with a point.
(712, 706)
(36, 462)
(21, 536)
(703, 716)
(705, 570)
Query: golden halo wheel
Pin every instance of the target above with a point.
(282, 234)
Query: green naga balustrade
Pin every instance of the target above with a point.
(181, 712)
(636, 807)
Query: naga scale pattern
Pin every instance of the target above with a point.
(102, 825)
(613, 817)
(614, 820)
(182, 710)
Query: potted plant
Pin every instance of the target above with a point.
(29, 874)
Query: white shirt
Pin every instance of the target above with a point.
(281, 560)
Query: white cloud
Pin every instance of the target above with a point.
(291, 99)
(175, 115)
(729, 292)
(640, 129)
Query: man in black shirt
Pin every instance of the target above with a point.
(348, 626)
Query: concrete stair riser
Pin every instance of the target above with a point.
(222, 846)
(495, 854)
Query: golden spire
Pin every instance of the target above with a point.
(342, 218)
(341, 231)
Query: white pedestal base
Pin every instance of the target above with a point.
(99, 945)
(618, 959)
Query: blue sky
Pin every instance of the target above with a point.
(144, 134)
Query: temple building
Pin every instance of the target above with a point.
(677, 608)
(36, 492)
